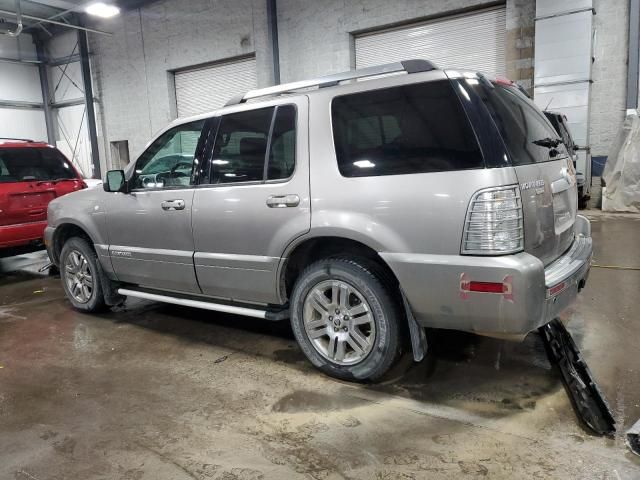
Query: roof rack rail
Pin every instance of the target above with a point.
(409, 66)
(17, 139)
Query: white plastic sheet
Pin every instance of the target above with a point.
(622, 170)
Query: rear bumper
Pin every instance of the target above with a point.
(432, 284)
(21, 234)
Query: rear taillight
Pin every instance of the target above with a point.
(494, 222)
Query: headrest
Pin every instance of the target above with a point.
(253, 146)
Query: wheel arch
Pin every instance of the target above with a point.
(310, 249)
(63, 232)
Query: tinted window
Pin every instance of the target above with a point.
(410, 129)
(241, 145)
(282, 154)
(38, 164)
(520, 124)
(169, 160)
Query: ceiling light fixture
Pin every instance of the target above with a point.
(104, 10)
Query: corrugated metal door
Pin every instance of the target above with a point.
(471, 41)
(207, 88)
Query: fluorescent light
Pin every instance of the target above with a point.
(220, 162)
(364, 164)
(100, 9)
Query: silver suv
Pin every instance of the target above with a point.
(363, 211)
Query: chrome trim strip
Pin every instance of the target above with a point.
(216, 307)
(234, 260)
(571, 262)
(236, 257)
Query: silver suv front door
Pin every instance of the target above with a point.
(255, 202)
(150, 235)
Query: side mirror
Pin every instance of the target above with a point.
(115, 181)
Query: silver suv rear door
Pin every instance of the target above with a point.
(254, 201)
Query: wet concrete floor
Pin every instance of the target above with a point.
(154, 391)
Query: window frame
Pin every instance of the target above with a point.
(206, 180)
(463, 109)
(134, 174)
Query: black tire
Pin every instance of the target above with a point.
(368, 280)
(96, 302)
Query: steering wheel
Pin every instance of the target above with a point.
(178, 165)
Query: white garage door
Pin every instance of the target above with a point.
(472, 41)
(207, 88)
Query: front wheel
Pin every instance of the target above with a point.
(346, 319)
(80, 275)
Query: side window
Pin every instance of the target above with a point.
(241, 145)
(169, 160)
(401, 130)
(282, 154)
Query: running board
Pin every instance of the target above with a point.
(586, 397)
(269, 314)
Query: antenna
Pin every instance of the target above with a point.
(549, 104)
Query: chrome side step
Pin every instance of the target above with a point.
(187, 302)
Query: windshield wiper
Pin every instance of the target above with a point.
(53, 181)
(548, 142)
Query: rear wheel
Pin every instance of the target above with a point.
(346, 319)
(80, 275)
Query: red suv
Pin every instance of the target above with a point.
(31, 175)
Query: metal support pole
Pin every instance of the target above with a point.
(46, 93)
(88, 96)
(634, 54)
(272, 19)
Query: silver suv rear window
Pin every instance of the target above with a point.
(520, 123)
(415, 128)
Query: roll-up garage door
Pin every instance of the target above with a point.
(207, 88)
(471, 41)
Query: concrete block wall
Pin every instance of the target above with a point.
(135, 89)
(316, 36)
(519, 48)
(131, 67)
(609, 73)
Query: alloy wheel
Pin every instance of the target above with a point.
(339, 322)
(78, 277)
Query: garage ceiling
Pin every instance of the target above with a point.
(61, 10)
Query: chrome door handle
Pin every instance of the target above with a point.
(172, 205)
(283, 201)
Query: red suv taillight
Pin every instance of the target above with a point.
(494, 223)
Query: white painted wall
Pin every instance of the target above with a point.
(20, 82)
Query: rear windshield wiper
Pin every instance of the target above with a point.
(548, 142)
(54, 180)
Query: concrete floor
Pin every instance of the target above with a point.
(159, 392)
